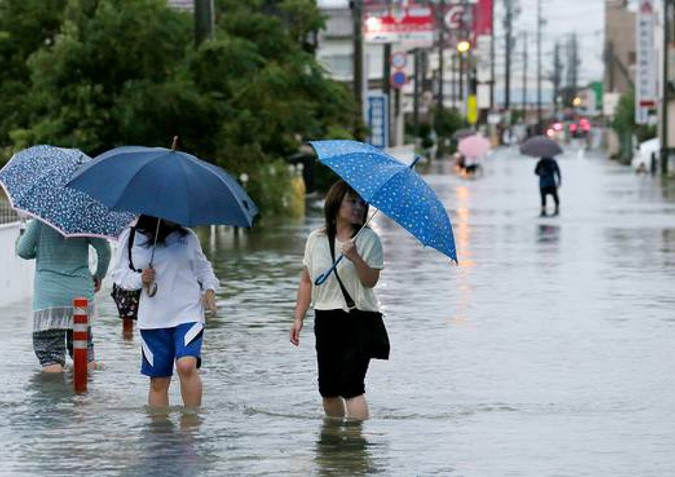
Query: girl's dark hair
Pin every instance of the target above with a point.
(332, 204)
(147, 225)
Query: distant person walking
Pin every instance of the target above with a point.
(549, 180)
(341, 355)
(61, 274)
(171, 310)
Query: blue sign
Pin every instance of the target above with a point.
(398, 79)
(378, 120)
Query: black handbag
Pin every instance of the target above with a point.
(127, 300)
(376, 335)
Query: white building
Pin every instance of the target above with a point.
(182, 4)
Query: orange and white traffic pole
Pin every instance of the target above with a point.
(80, 340)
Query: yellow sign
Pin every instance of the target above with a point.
(472, 109)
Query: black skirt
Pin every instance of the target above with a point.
(342, 353)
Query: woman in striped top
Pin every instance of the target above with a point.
(61, 274)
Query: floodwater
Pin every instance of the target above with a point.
(547, 352)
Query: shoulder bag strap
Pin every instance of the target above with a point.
(350, 302)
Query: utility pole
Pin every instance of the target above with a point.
(524, 76)
(441, 47)
(492, 58)
(441, 66)
(557, 76)
(508, 23)
(572, 67)
(461, 81)
(357, 21)
(609, 65)
(386, 87)
(575, 63)
(453, 84)
(539, 23)
(416, 94)
(667, 18)
(204, 23)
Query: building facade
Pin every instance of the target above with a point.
(620, 49)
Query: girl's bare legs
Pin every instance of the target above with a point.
(53, 368)
(190, 381)
(357, 408)
(158, 395)
(334, 407)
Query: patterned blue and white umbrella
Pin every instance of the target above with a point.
(34, 181)
(394, 188)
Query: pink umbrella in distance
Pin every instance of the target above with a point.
(474, 146)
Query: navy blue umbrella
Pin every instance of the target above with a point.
(540, 146)
(393, 188)
(168, 184)
(34, 180)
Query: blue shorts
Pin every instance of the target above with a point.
(160, 347)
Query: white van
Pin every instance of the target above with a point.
(642, 158)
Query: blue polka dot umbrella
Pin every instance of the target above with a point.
(34, 180)
(393, 188)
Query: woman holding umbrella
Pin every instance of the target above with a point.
(170, 316)
(341, 354)
(61, 274)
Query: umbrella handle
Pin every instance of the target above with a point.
(324, 276)
(151, 290)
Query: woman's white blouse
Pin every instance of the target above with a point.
(182, 274)
(317, 259)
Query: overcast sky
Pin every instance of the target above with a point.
(563, 17)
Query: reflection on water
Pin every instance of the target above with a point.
(168, 448)
(548, 233)
(548, 330)
(341, 449)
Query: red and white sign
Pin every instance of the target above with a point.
(399, 23)
(410, 21)
(646, 91)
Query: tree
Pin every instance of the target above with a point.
(127, 72)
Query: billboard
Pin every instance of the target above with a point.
(406, 22)
(418, 21)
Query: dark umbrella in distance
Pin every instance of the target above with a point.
(540, 146)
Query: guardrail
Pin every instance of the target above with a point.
(7, 214)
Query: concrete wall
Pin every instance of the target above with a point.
(16, 275)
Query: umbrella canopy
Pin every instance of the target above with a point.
(462, 133)
(34, 180)
(474, 146)
(540, 146)
(168, 184)
(394, 188)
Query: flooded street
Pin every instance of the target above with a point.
(547, 352)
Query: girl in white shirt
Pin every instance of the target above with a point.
(171, 320)
(341, 352)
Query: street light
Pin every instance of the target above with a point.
(373, 24)
(463, 46)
